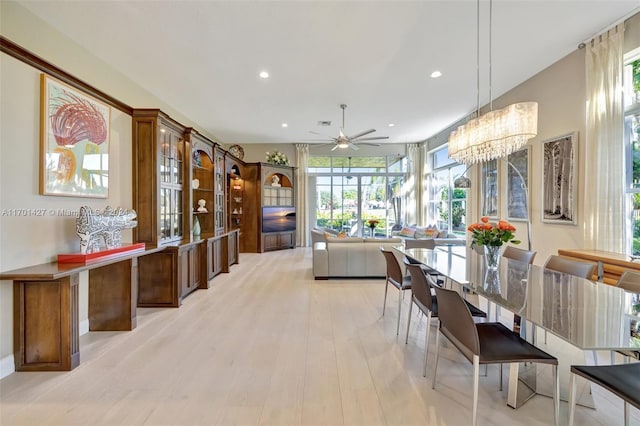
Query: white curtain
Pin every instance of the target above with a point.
(413, 193)
(604, 165)
(302, 217)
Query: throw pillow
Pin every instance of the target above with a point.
(443, 234)
(431, 232)
(342, 234)
(408, 232)
(420, 232)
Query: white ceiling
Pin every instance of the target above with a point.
(203, 58)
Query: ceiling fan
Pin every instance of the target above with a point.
(344, 141)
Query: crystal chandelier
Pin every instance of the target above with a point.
(497, 133)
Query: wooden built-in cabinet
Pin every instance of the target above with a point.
(242, 202)
(202, 185)
(178, 181)
(158, 176)
(277, 213)
(219, 188)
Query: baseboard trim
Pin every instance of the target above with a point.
(7, 366)
(83, 327)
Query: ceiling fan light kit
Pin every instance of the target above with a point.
(343, 141)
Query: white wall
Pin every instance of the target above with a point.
(29, 240)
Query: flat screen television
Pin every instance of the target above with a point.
(278, 219)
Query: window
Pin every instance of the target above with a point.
(350, 191)
(447, 205)
(632, 149)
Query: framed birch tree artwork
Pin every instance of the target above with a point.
(559, 174)
(517, 185)
(489, 183)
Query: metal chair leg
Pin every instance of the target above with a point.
(426, 345)
(476, 373)
(500, 377)
(406, 339)
(556, 396)
(626, 413)
(400, 293)
(435, 367)
(572, 399)
(386, 288)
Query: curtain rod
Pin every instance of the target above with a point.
(583, 43)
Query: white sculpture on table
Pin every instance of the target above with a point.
(275, 180)
(201, 205)
(94, 225)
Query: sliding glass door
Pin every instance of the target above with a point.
(355, 200)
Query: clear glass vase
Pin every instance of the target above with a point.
(492, 257)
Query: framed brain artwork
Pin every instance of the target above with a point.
(74, 139)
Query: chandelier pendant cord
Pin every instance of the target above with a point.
(490, 55)
(478, 59)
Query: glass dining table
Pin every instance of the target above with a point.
(578, 314)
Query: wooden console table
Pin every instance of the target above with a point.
(46, 334)
(614, 264)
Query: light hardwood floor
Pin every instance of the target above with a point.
(269, 345)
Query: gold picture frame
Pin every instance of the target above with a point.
(75, 129)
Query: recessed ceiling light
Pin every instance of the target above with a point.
(392, 125)
(436, 74)
(285, 125)
(264, 74)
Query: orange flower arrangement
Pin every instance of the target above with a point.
(487, 234)
(372, 223)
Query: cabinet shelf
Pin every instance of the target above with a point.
(208, 169)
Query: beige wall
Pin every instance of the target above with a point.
(257, 152)
(560, 93)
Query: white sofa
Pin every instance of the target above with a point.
(416, 235)
(350, 257)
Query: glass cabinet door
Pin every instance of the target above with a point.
(171, 163)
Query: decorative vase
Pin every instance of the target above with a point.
(492, 257)
(492, 281)
(196, 226)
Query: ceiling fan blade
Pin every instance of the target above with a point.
(357, 135)
(334, 148)
(353, 147)
(367, 143)
(373, 138)
(313, 145)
